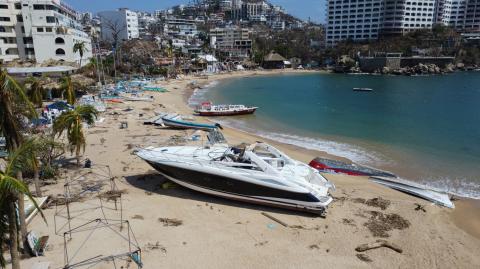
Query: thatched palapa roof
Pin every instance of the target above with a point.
(274, 57)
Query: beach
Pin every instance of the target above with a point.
(211, 232)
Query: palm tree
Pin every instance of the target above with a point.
(14, 102)
(35, 93)
(67, 86)
(72, 122)
(12, 190)
(81, 48)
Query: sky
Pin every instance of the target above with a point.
(303, 9)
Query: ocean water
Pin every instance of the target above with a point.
(424, 128)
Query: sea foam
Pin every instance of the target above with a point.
(198, 95)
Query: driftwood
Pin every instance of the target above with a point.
(275, 219)
(378, 244)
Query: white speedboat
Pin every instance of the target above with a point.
(258, 174)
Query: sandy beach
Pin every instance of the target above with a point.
(210, 232)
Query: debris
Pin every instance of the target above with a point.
(378, 202)
(156, 246)
(378, 244)
(170, 222)
(112, 195)
(261, 243)
(420, 207)
(271, 226)
(138, 217)
(350, 222)
(314, 246)
(275, 219)
(363, 257)
(102, 140)
(379, 224)
(148, 192)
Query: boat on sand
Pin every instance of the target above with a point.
(209, 109)
(334, 166)
(258, 173)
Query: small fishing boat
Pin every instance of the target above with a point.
(334, 166)
(362, 89)
(208, 109)
(258, 173)
(415, 189)
(177, 122)
(134, 98)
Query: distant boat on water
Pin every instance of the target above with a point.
(362, 89)
(209, 109)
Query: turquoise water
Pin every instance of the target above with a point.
(423, 128)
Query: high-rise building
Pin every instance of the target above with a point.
(40, 30)
(231, 42)
(354, 20)
(360, 20)
(119, 25)
(464, 15)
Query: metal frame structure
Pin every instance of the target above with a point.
(134, 252)
(65, 211)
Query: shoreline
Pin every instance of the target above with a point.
(236, 231)
(468, 224)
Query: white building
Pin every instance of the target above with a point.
(360, 20)
(464, 15)
(121, 24)
(40, 30)
(355, 20)
(176, 27)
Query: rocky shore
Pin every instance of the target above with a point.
(420, 69)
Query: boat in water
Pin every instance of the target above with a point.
(339, 167)
(258, 173)
(362, 89)
(177, 122)
(209, 109)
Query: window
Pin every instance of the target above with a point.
(60, 52)
(18, 6)
(4, 18)
(3, 6)
(39, 7)
(19, 18)
(27, 40)
(2, 29)
(59, 40)
(40, 29)
(48, 29)
(50, 19)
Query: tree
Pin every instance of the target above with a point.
(12, 190)
(81, 48)
(13, 104)
(67, 86)
(35, 92)
(72, 122)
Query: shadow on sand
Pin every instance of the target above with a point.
(152, 182)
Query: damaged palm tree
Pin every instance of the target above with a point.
(71, 122)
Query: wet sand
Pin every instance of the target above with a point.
(219, 233)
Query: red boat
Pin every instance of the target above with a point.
(208, 109)
(333, 166)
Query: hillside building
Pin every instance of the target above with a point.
(121, 24)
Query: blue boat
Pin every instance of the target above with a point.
(178, 123)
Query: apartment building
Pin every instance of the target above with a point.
(361, 20)
(231, 42)
(120, 24)
(354, 19)
(402, 16)
(464, 15)
(40, 30)
(177, 27)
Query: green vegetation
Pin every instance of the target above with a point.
(71, 122)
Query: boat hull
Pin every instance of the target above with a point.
(226, 113)
(240, 190)
(187, 125)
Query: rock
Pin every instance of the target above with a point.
(460, 65)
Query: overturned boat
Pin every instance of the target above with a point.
(177, 122)
(339, 167)
(415, 189)
(258, 174)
